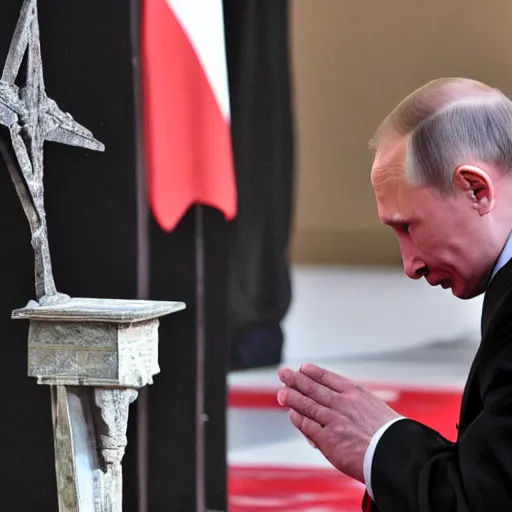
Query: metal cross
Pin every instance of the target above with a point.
(31, 119)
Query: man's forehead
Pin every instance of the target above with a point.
(392, 191)
(392, 201)
(389, 160)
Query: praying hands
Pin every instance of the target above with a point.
(334, 414)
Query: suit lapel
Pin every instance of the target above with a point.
(469, 396)
(497, 292)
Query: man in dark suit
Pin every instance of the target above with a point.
(442, 180)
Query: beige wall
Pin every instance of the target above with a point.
(353, 60)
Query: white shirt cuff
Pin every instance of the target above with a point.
(370, 452)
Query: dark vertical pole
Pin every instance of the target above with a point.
(142, 201)
(200, 363)
(142, 248)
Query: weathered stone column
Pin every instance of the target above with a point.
(95, 355)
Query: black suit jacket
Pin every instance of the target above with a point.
(416, 469)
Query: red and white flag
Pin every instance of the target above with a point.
(186, 109)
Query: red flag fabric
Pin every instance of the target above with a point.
(186, 109)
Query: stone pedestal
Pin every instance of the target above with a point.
(94, 354)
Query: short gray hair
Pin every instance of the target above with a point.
(451, 121)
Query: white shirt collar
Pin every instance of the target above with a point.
(505, 257)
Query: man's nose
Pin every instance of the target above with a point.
(414, 267)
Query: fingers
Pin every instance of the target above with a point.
(308, 387)
(329, 379)
(305, 406)
(309, 428)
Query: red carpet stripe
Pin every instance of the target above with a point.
(437, 408)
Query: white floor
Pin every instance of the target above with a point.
(345, 311)
(376, 327)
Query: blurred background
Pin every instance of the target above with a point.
(352, 309)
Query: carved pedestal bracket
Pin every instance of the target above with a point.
(111, 424)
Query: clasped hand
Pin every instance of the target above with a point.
(334, 414)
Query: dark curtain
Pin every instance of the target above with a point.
(259, 291)
(90, 203)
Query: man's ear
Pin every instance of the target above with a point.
(478, 185)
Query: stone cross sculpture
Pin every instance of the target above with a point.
(93, 353)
